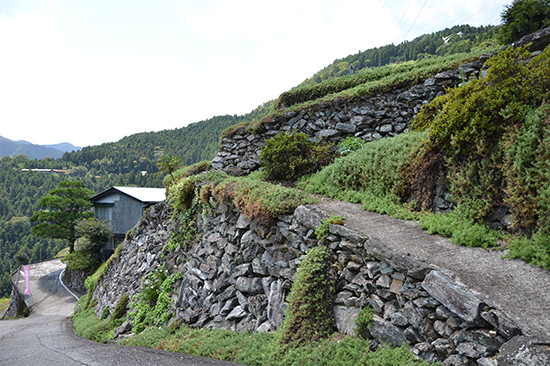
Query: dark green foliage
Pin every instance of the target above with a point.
(121, 307)
(105, 313)
(168, 164)
(287, 156)
(64, 207)
(523, 17)
(310, 317)
(141, 152)
(363, 322)
(475, 128)
(93, 234)
(20, 192)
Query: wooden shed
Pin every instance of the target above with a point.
(122, 207)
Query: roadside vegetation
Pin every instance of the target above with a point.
(4, 303)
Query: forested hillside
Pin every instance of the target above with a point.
(458, 39)
(141, 152)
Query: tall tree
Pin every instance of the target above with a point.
(523, 17)
(64, 207)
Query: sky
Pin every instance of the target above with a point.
(94, 71)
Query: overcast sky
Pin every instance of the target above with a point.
(94, 71)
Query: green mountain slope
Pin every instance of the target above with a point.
(458, 39)
(14, 148)
(140, 152)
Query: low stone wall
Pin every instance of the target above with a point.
(74, 280)
(238, 274)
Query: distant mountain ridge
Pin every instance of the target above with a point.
(32, 151)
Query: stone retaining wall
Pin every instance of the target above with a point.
(238, 274)
(371, 118)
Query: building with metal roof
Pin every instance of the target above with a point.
(122, 207)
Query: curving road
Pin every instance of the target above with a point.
(46, 337)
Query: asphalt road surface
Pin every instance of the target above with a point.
(46, 337)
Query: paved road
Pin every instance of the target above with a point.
(46, 337)
(520, 290)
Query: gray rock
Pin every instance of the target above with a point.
(345, 318)
(328, 133)
(237, 313)
(501, 322)
(387, 332)
(276, 303)
(524, 351)
(346, 127)
(459, 301)
(471, 350)
(249, 285)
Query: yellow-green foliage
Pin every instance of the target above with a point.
(322, 230)
(470, 117)
(256, 199)
(254, 349)
(310, 316)
(374, 80)
(377, 168)
(187, 171)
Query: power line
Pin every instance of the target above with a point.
(415, 19)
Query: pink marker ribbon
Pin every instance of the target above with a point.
(27, 280)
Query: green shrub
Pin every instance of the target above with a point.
(105, 313)
(82, 260)
(535, 250)
(121, 306)
(287, 156)
(493, 140)
(152, 306)
(322, 231)
(363, 322)
(310, 316)
(350, 144)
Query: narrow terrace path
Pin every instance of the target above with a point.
(520, 290)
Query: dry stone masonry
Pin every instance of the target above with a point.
(238, 274)
(371, 118)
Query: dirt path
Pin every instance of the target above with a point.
(520, 290)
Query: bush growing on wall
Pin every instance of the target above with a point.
(287, 156)
(310, 316)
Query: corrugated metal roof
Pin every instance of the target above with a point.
(143, 194)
